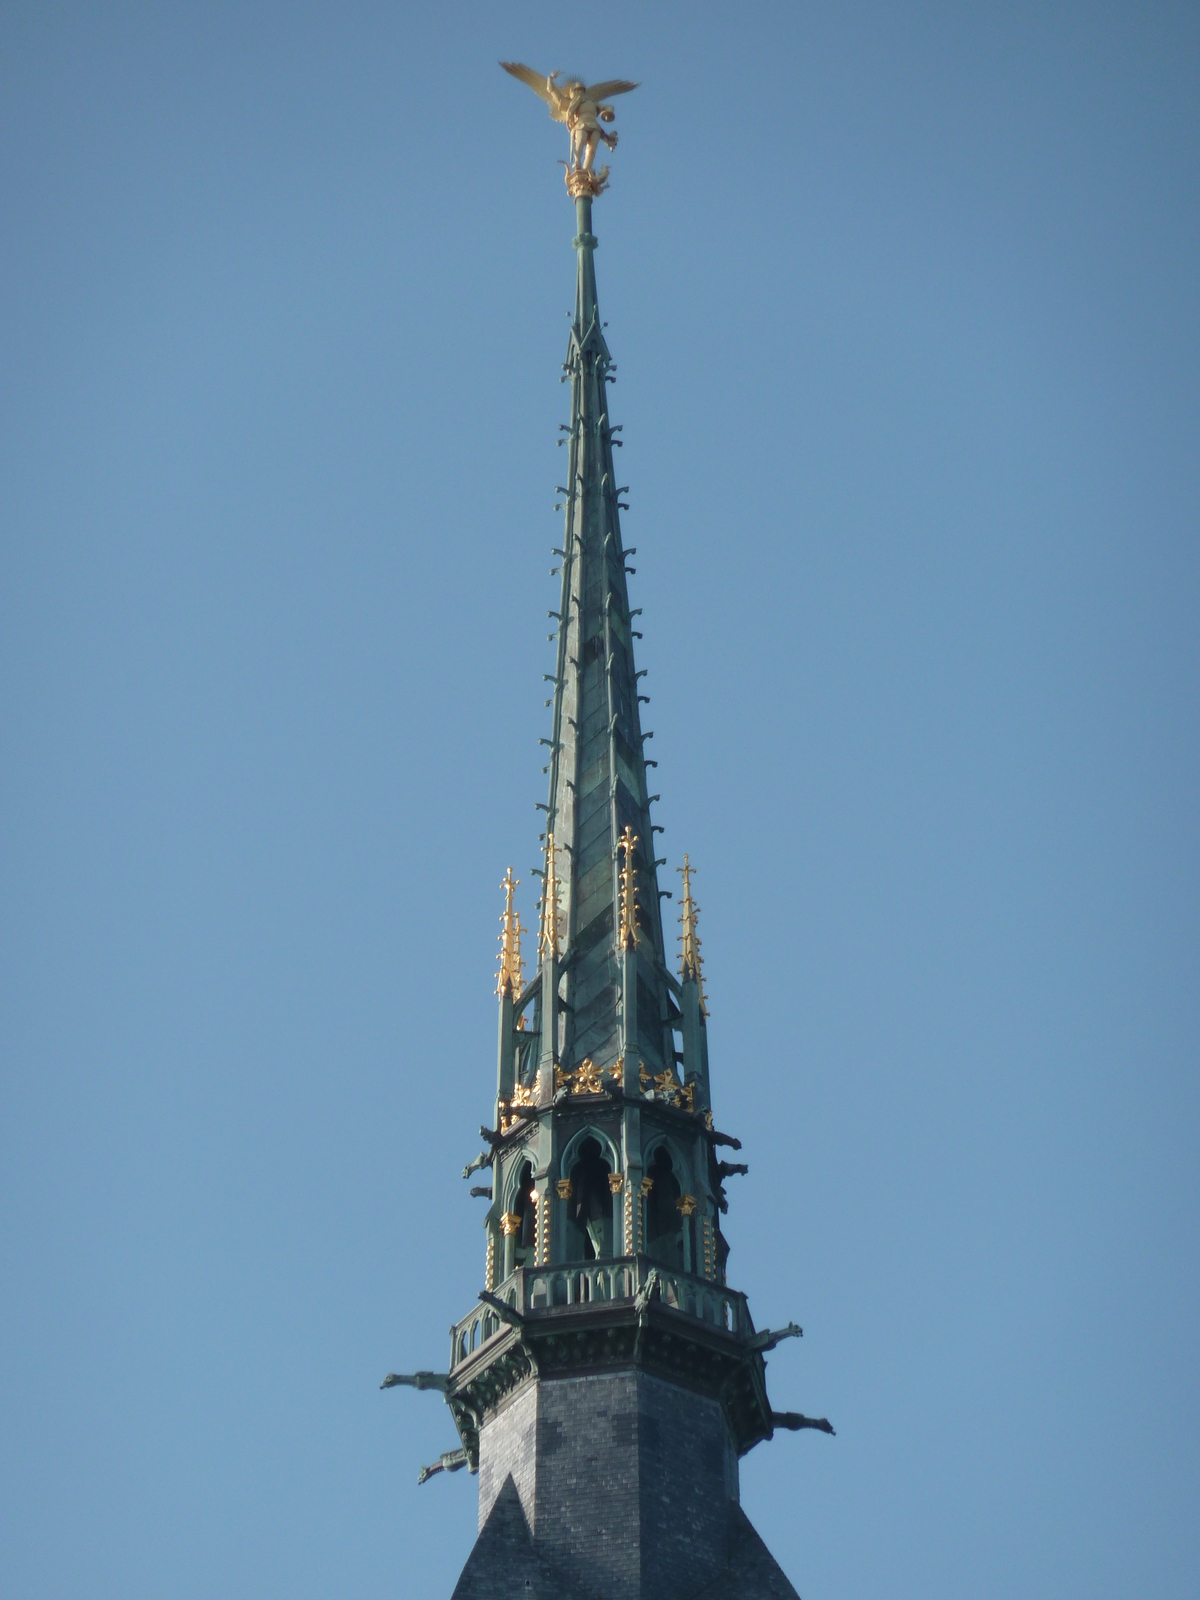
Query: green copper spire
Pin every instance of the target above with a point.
(613, 1006)
(606, 1326)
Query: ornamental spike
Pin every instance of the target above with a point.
(630, 935)
(511, 977)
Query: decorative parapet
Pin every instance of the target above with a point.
(531, 1291)
(543, 1320)
(534, 1292)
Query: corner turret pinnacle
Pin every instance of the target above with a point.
(510, 979)
(690, 966)
(548, 931)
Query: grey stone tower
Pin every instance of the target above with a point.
(609, 1379)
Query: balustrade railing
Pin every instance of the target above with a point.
(536, 1291)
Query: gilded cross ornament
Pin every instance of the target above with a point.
(585, 110)
(629, 934)
(511, 977)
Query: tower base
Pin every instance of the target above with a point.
(617, 1485)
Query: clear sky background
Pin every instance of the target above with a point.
(904, 301)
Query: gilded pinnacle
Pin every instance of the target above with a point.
(629, 934)
(548, 930)
(511, 977)
(690, 966)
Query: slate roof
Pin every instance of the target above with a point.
(504, 1565)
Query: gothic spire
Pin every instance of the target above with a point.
(605, 1256)
(599, 797)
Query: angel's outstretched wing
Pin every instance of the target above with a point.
(535, 80)
(602, 91)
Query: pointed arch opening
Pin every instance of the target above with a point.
(518, 1221)
(588, 1162)
(666, 1232)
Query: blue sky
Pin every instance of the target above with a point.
(904, 305)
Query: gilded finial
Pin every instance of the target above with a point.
(689, 957)
(629, 935)
(548, 931)
(511, 977)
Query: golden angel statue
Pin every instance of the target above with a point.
(583, 107)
